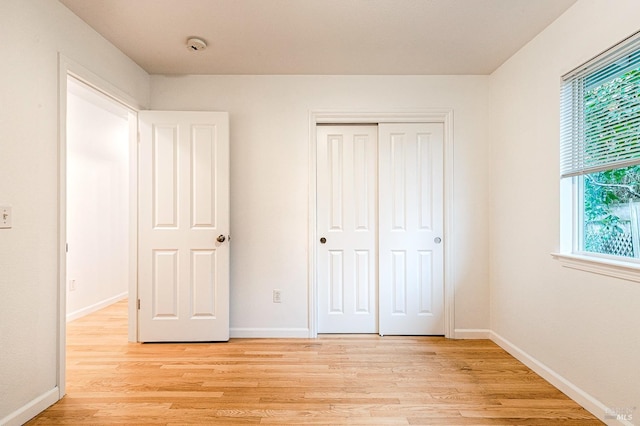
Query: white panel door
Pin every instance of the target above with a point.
(411, 228)
(183, 277)
(347, 228)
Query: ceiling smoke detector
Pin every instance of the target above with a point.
(196, 44)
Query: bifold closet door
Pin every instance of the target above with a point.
(347, 229)
(411, 255)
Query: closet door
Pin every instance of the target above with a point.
(347, 229)
(411, 278)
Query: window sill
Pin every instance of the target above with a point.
(609, 267)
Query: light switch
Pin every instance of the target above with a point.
(5, 217)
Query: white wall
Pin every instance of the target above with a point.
(583, 326)
(97, 200)
(32, 34)
(270, 179)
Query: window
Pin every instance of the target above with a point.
(600, 154)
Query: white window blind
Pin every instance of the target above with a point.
(600, 112)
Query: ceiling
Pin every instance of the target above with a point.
(435, 37)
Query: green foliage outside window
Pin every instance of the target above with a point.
(612, 109)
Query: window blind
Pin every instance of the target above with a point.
(600, 112)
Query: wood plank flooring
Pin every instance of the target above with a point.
(334, 379)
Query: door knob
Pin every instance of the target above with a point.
(323, 240)
(437, 240)
(221, 238)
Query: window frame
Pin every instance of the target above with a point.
(572, 253)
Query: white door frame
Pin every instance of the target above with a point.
(66, 68)
(440, 115)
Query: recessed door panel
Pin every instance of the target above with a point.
(203, 176)
(425, 281)
(165, 284)
(397, 174)
(398, 287)
(363, 289)
(426, 202)
(362, 180)
(203, 283)
(335, 158)
(165, 176)
(336, 282)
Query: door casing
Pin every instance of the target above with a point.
(444, 116)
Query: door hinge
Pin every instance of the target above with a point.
(66, 247)
(138, 304)
(138, 137)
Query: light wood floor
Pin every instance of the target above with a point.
(330, 380)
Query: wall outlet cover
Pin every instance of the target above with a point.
(6, 217)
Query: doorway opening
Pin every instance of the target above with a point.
(97, 200)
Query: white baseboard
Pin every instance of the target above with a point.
(267, 333)
(471, 333)
(587, 401)
(32, 409)
(96, 306)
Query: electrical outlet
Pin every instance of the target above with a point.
(5, 217)
(277, 296)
